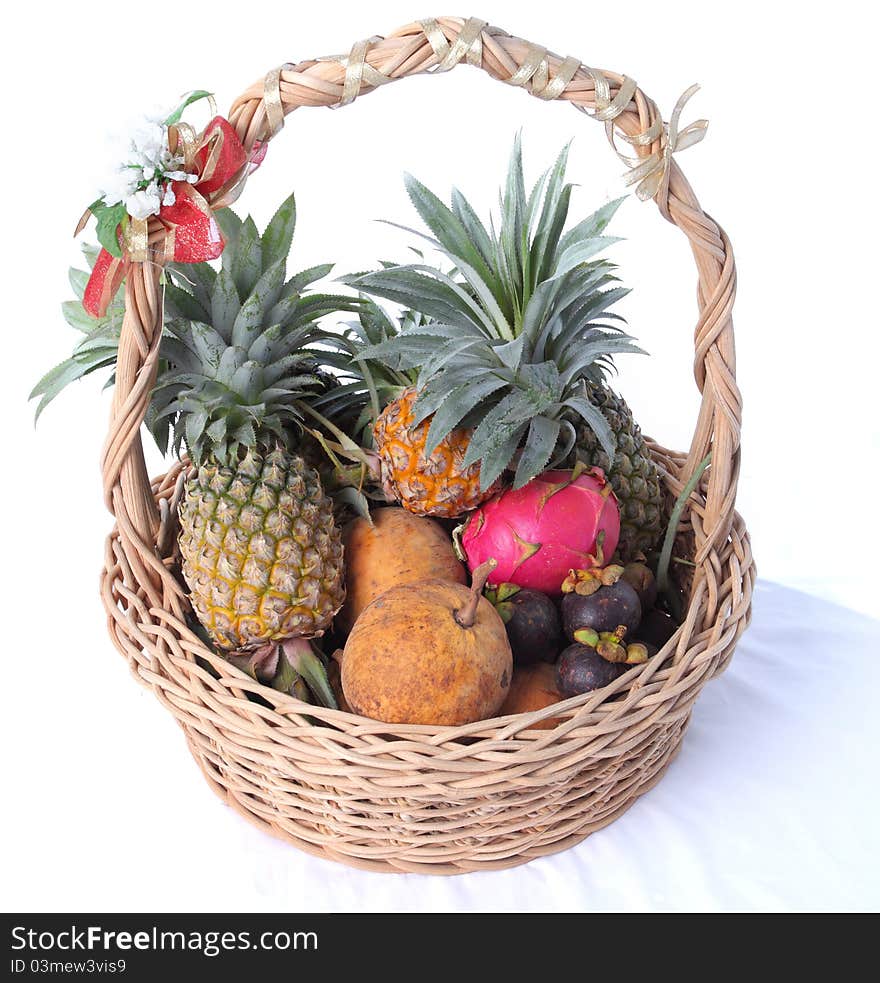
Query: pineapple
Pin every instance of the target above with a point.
(384, 394)
(261, 553)
(439, 484)
(632, 473)
(512, 353)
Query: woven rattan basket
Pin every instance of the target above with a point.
(437, 799)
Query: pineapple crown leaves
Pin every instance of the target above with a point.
(366, 387)
(245, 343)
(513, 334)
(220, 400)
(250, 291)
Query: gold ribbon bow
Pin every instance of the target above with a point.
(649, 174)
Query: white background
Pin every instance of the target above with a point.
(104, 808)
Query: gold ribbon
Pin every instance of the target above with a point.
(650, 174)
(530, 65)
(272, 99)
(534, 72)
(358, 71)
(137, 239)
(468, 45)
(607, 108)
(552, 88)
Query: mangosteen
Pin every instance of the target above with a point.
(581, 669)
(657, 627)
(607, 608)
(643, 582)
(531, 620)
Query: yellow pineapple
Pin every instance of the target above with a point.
(438, 484)
(262, 555)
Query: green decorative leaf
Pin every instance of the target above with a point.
(109, 220)
(90, 251)
(188, 100)
(66, 372)
(78, 280)
(76, 317)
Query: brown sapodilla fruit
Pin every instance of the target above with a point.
(398, 548)
(533, 688)
(428, 653)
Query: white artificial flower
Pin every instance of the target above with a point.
(120, 185)
(149, 144)
(143, 181)
(142, 204)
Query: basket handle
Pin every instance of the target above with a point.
(436, 45)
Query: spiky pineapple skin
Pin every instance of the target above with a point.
(438, 485)
(633, 474)
(261, 553)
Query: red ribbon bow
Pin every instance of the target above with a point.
(191, 231)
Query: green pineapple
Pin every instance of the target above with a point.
(261, 552)
(513, 356)
(632, 472)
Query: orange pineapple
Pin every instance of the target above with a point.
(438, 485)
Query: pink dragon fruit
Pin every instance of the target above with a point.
(544, 529)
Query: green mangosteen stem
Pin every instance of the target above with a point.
(466, 615)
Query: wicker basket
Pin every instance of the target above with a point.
(436, 799)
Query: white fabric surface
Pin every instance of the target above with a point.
(771, 805)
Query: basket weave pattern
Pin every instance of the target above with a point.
(435, 799)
